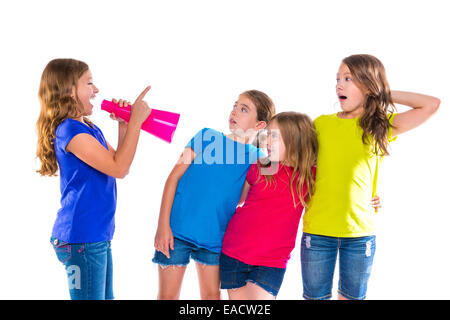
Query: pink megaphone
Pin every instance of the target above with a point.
(161, 124)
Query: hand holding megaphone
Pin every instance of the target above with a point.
(157, 122)
(140, 110)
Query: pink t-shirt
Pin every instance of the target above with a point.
(263, 231)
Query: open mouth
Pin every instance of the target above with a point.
(232, 121)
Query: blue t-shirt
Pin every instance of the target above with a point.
(88, 196)
(210, 189)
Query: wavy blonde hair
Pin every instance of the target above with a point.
(58, 80)
(300, 139)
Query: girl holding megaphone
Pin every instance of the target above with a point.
(88, 167)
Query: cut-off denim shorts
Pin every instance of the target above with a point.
(235, 274)
(182, 253)
(89, 268)
(318, 260)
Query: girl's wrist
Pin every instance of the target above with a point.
(123, 125)
(394, 96)
(133, 125)
(164, 222)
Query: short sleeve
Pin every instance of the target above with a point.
(391, 122)
(100, 137)
(67, 130)
(316, 123)
(317, 120)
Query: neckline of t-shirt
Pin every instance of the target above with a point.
(336, 115)
(81, 123)
(245, 144)
(283, 166)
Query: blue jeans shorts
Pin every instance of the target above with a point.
(182, 253)
(235, 274)
(318, 260)
(89, 268)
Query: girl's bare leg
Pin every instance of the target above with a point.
(209, 281)
(250, 291)
(255, 292)
(170, 279)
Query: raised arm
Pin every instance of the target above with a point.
(115, 164)
(122, 125)
(423, 107)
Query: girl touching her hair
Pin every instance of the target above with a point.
(352, 144)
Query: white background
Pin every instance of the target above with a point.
(198, 56)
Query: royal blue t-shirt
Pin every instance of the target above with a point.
(210, 189)
(88, 196)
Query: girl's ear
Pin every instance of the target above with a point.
(261, 125)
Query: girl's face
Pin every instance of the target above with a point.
(85, 91)
(244, 116)
(276, 148)
(349, 94)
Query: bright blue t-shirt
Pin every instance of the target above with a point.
(88, 196)
(210, 189)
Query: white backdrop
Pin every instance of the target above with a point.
(198, 56)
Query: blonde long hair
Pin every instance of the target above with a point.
(370, 76)
(58, 79)
(299, 136)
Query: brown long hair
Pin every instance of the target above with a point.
(58, 79)
(370, 76)
(265, 108)
(300, 139)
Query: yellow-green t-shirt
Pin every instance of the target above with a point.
(346, 179)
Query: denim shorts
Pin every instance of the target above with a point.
(235, 274)
(89, 268)
(182, 253)
(318, 260)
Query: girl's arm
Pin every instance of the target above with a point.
(164, 237)
(423, 107)
(122, 131)
(122, 125)
(115, 164)
(244, 193)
